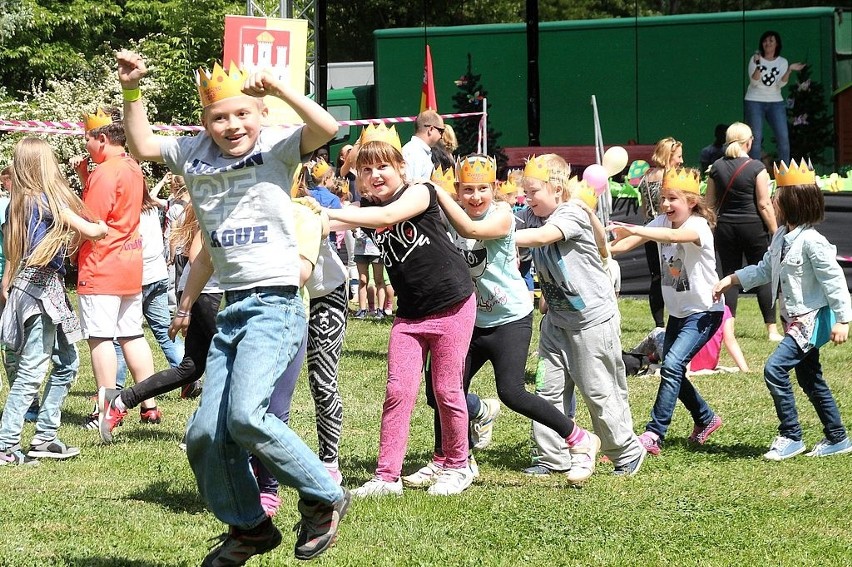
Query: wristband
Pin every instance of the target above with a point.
(131, 95)
(182, 314)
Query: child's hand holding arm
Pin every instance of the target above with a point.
(723, 284)
(88, 230)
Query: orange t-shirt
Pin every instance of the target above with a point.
(113, 265)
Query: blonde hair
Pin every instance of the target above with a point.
(663, 151)
(699, 205)
(560, 172)
(182, 236)
(736, 136)
(39, 188)
(450, 139)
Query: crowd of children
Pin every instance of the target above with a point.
(265, 287)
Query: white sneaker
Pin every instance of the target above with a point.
(451, 481)
(482, 428)
(583, 459)
(378, 487)
(425, 476)
(474, 467)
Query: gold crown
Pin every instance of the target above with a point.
(536, 168)
(508, 187)
(320, 168)
(682, 179)
(381, 133)
(477, 169)
(96, 120)
(801, 174)
(219, 85)
(297, 181)
(583, 191)
(446, 180)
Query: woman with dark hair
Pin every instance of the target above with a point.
(768, 72)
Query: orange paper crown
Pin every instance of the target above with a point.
(682, 179)
(219, 85)
(801, 174)
(583, 191)
(381, 133)
(320, 168)
(536, 168)
(477, 169)
(446, 180)
(96, 120)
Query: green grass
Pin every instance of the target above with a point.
(134, 503)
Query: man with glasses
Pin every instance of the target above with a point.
(429, 127)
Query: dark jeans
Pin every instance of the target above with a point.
(735, 241)
(655, 292)
(776, 373)
(684, 337)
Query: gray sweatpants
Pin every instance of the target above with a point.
(590, 360)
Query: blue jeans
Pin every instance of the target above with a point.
(155, 307)
(776, 114)
(43, 342)
(684, 337)
(258, 334)
(776, 373)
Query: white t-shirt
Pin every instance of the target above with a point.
(329, 272)
(688, 270)
(153, 260)
(768, 87)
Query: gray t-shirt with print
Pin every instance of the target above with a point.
(243, 205)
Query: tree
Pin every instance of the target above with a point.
(811, 124)
(469, 99)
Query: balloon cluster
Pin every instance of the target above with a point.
(597, 175)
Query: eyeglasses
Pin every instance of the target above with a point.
(440, 129)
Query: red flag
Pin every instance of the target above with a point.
(428, 100)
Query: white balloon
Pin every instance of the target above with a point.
(615, 160)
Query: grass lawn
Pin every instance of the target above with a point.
(134, 503)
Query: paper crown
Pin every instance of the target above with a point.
(583, 191)
(446, 180)
(96, 120)
(477, 169)
(536, 168)
(320, 168)
(682, 179)
(508, 187)
(219, 85)
(381, 133)
(801, 174)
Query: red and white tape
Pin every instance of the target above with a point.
(76, 128)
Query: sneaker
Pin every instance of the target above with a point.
(537, 470)
(825, 448)
(700, 433)
(651, 442)
(451, 481)
(191, 391)
(334, 471)
(379, 314)
(16, 457)
(239, 545)
(54, 449)
(583, 459)
(317, 531)
(270, 503)
(110, 416)
(473, 466)
(632, 467)
(425, 476)
(482, 427)
(151, 415)
(91, 422)
(784, 448)
(31, 416)
(360, 314)
(378, 487)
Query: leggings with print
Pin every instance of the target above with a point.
(446, 335)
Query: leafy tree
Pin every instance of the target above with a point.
(469, 98)
(811, 124)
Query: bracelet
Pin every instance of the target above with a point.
(180, 313)
(131, 95)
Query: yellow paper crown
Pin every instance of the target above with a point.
(477, 169)
(583, 191)
(219, 85)
(381, 133)
(319, 169)
(508, 187)
(446, 180)
(297, 181)
(801, 174)
(536, 168)
(96, 120)
(682, 179)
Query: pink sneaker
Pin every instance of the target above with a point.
(651, 442)
(334, 471)
(700, 433)
(270, 503)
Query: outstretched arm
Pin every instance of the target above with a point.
(141, 140)
(496, 225)
(414, 201)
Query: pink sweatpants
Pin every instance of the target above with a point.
(447, 336)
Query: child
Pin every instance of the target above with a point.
(45, 218)
(579, 339)
(685, 239)
(436, 310)
(234, 171)
(815, 306)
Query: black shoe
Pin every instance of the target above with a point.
(318, 529)
(238, 546)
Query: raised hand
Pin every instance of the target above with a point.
(131, 68)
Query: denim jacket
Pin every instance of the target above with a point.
(809, 274)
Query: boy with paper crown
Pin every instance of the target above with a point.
(580, 340)
(235, 171)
